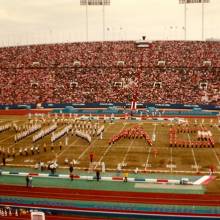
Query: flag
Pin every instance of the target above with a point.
(133, 105)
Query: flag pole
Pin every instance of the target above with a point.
(185, 21)
(87, 21)
(202, 19)
(103, 19)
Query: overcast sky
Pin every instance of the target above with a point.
(44, 21)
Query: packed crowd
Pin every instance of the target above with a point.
(174, 53)
(188, 86)
(111, 72)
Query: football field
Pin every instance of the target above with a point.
(128, 153)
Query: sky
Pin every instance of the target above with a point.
(25, 22)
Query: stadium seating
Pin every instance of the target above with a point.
(111, 72)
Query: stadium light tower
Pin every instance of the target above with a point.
(102, 3)
(189, 2)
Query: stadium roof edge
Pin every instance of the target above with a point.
(76, 42)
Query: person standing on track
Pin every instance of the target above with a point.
(71, 171)
(97, 175)
(27, 181)
(126, 177)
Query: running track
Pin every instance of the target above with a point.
(111, 196)
(52, 217)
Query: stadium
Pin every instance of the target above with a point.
(110, 123)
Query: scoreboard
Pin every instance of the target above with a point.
(95, 2)
(193, 1)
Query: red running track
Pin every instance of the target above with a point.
(51, 217)
(111, 196)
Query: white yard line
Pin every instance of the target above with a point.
(150, 148)
(194, 158)
(126, 154)
(155, 127)
(107, 150)
(189, 138)
(82, 154)
(154, 132)
(7, 138)
(148, 157)
(66, 148)
(217, 158)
